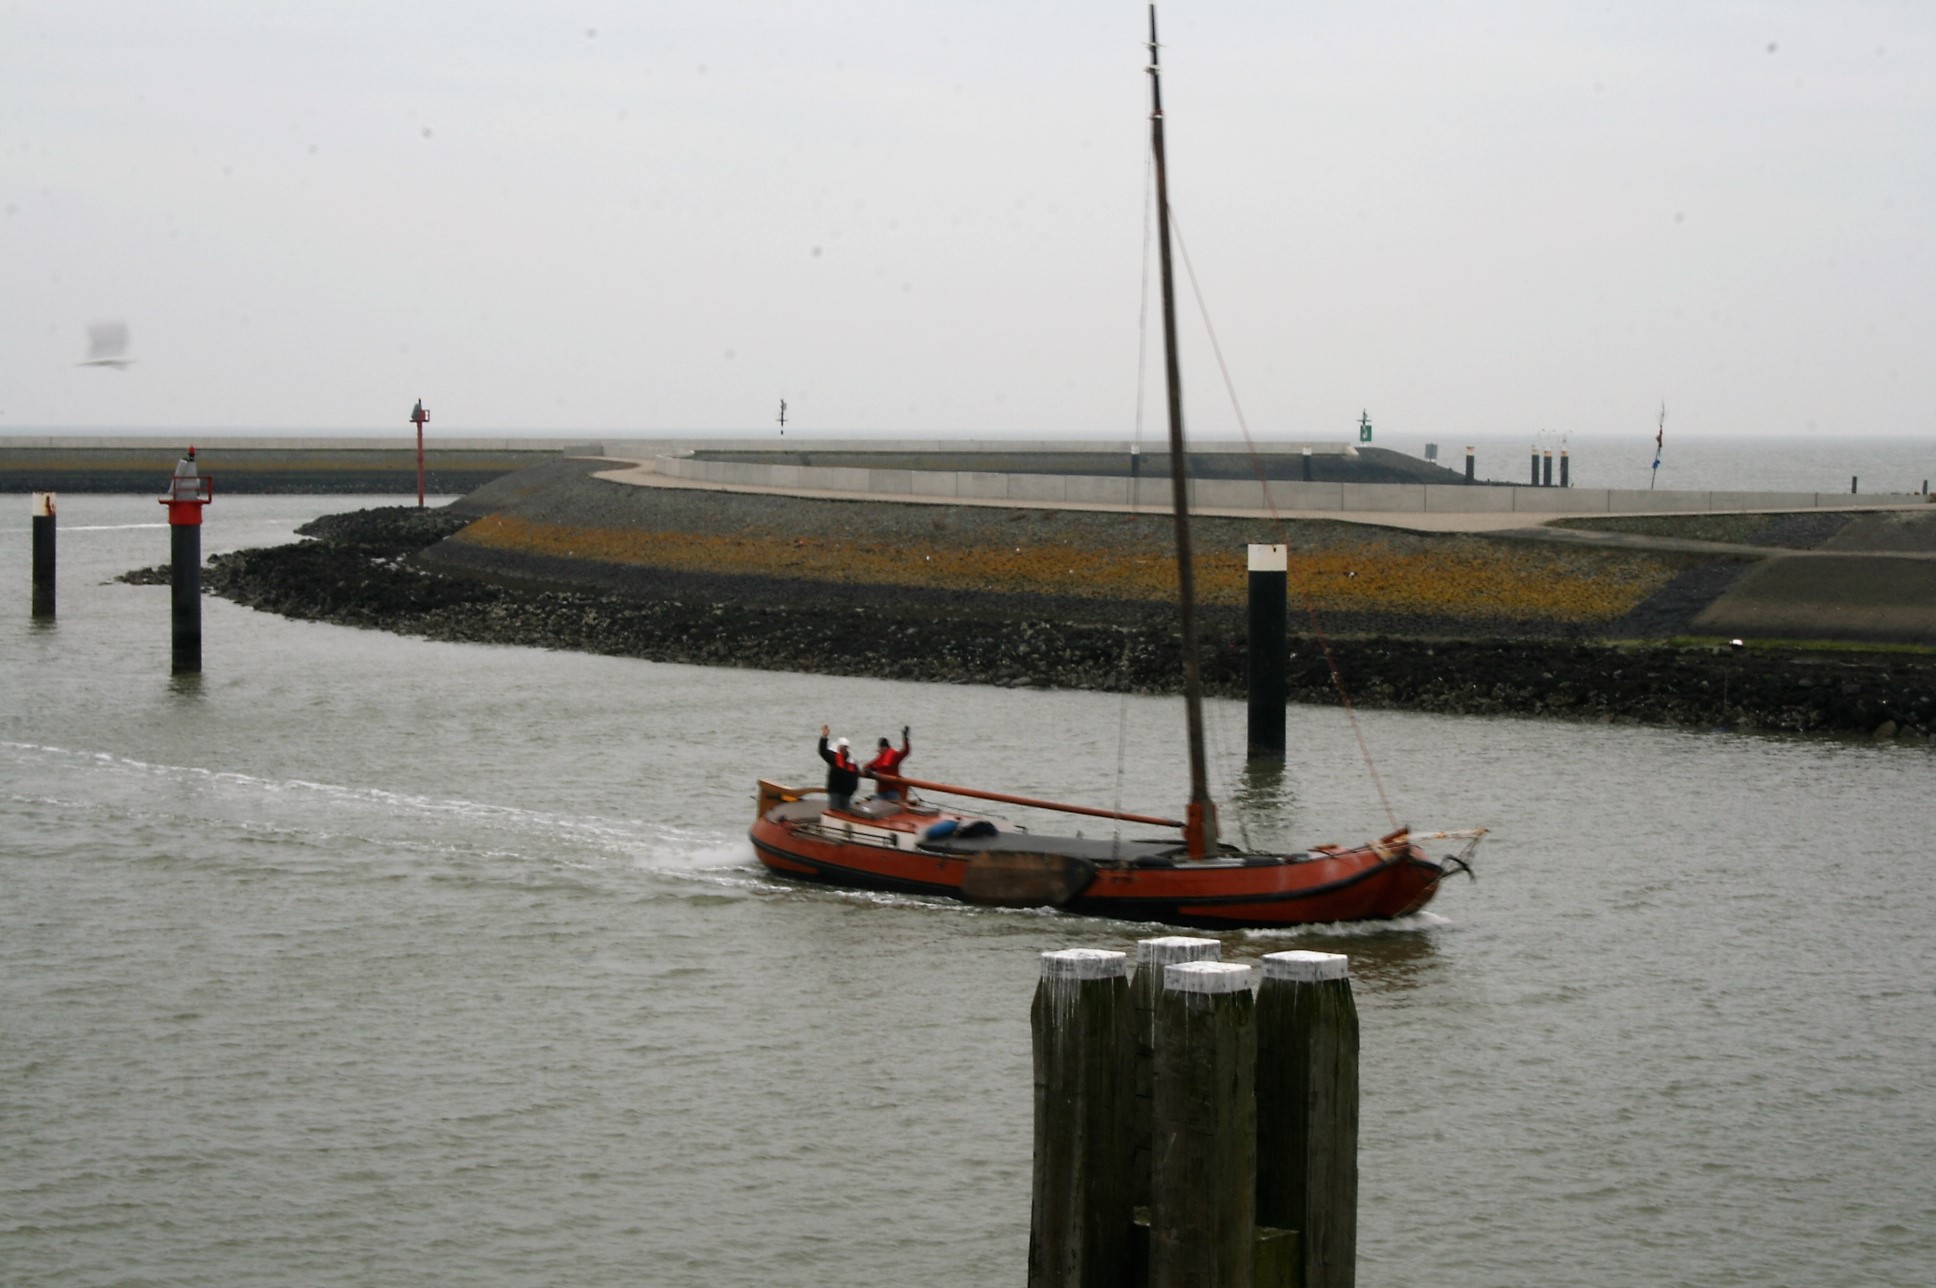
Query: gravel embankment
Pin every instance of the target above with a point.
(360, 570)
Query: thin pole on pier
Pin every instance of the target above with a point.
(43, 598)
(1307, 1111)
(1267, 657)
(1080, 1213)
(419, 415)
(1203, 1182)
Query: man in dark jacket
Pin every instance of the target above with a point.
(888, 761)
(843, 772)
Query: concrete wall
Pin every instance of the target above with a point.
(404, 439)
(1227, 494)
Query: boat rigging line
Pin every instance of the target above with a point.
(1282, 525)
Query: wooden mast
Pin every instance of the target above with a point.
(1200, 829)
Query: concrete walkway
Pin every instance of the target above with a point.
(641, 472)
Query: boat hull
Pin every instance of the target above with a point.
(1370, 882)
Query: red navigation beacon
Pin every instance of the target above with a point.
(188, 491)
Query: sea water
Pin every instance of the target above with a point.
(363, 959)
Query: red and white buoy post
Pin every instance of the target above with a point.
(419, 416)
(188, 491)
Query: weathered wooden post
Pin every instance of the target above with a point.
(1853, 480)
(1267, 661)
(1471, 464)
(1203, 1185)
(1307, 1111)
(1535, 467)
(1566, 475)
(1152, 957)
(1080, 1217)
(43, 598)
(189, 492)
(1548, 454)
(1307, 465)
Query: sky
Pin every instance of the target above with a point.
(1472, 220)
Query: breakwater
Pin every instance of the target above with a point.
(366, 569)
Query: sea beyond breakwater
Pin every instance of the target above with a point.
(555, 558)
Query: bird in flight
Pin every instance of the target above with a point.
(107, 346)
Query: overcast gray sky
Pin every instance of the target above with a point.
(1473, 219)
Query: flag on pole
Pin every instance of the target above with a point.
(1660, 433)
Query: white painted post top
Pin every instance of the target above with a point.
(1269, 559)
(1207, 977)
(43, 505)
(1306, 967)
(1171, 949)
(1084, 963)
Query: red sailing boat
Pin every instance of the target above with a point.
(913, 846)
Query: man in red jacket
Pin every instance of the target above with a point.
(888, 761)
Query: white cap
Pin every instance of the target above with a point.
(840, 742)
(1306, 967)
(1084, 963)
(1206, 977)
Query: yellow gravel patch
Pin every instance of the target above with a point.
(1464, 579)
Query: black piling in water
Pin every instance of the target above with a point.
(1548, 481)
(43, 598)
(1535, 467)
(1152, 956)
(1307, 1111)
(1307, 465)
(1566, 475)
(1471, 465)
(1203, 1183)
(185, 594)
(189, 493)
(1852, 483)
(1080, 1213)
(1268, 660)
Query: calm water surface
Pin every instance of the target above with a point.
(362, 960)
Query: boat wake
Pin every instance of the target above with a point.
(309, 824)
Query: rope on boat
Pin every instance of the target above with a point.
(1283, 527)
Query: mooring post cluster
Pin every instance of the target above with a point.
(1189, 1131)
(43, 598)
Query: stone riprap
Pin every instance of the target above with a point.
(411, 572)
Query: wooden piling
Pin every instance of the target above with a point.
(1566, 475)
(1152, 956)
(1471, 464)
(1268, 660)
(1080, 1217)
(1204, 1127)
(1307, 465)
(1535, 467)
(43, 595)
(1307, 1111)
(1548, 481)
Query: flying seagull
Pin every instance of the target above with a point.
(107, 345)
